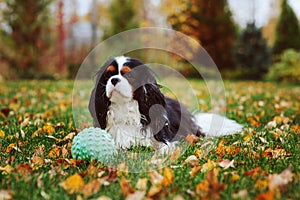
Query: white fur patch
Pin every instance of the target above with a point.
(119, 93)
(121, 60)
(124, 125)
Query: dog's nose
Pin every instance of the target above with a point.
(114, 81)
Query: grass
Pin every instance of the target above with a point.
(36, 127)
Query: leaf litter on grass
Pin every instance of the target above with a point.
(36, 131)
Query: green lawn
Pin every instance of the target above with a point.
(36, 131)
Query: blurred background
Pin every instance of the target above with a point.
(249, 39)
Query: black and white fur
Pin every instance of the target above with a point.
(128, 103)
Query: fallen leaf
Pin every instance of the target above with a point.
(73, 184)
(175, 155)
(91, 188)
(261, 184)
(234, 177)
(269, 195)
(208, 166)
(138, 195)
(194, 171)
(142, 184)
(125, 187)
(55, 152)
(280, 180)
(154, 190)
(168, 177)
(102, 198)
(5, 194)
(202, 188)
(242, 194)
(178, 197)
(155, 177)
(7, 169)
(255, 172)
(192, 161)
(122, 169)
(2, 134)
(37, 158)
(48, 128)
(226, 164)
(192, 139)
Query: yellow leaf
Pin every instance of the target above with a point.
(168, 177)
(141, 184)
(2, 134)
(48, 128)
(54, 153)
(7, 169)
(122, 169)
(202, 188)
(235, 177)
(261, 184)
(208, 166)
(154, 190)
(73, 184)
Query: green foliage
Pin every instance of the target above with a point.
(252, 53)
(122, 17)
(23, 38)
(211, 24)
(287, 30)
(287, 69)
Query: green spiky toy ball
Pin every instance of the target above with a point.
(93, 144)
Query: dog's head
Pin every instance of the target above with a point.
(123, 79)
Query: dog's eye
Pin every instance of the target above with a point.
(125, 70)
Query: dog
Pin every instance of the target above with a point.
(127, 102)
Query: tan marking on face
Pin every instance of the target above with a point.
(111, 68)
(125, 69)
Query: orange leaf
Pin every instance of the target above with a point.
(194, 171)
(202, 188)
(48, 128)
(73, 184)
(168, 177)
(91, 188)
(54, 153)
(265, 196)
(192, 139)
(125, 187)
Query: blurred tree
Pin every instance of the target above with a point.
(287, 30)
(22, 36)
(122, 17)
(252, 53)
(209, 22)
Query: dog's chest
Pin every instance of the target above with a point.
(123, 123)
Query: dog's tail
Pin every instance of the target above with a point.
(217, 125)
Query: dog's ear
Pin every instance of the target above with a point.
(152, 108)
(99, 102)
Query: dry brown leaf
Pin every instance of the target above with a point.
(141, 184)
(192, 161)
(91, 188)
(5, 194)
(125, 187)
(242, 194)
(175, 155)
(192, 139)
(73, 184)
(194, 171)
(38, 156)
(138, 195)
(280, 180)
(155, 177)
(154, 190)
(122, 169)
(168, 177)
(226, 163)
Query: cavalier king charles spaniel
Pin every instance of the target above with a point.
(127, 102)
